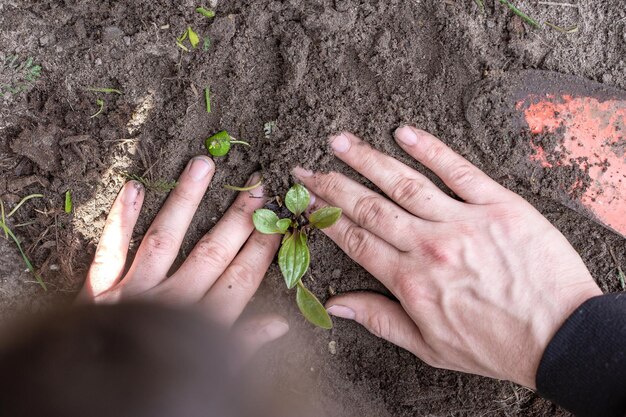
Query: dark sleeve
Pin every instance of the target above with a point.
(584, 366)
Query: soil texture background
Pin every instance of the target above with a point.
(312, 68)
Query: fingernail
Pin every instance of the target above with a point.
(131, 192)
(406, 135)
(254, 179)
(276, 329)
(341, 311)
(302, 173)
(340, 143)
(200, 167)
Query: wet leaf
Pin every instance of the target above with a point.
(311, 308)
(325, 217)
(297, 199)
(294, 258)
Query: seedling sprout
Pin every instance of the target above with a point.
(219, 144)
(294, 257)
(8, 233)
(69, 205)
(206, 12)
(100, 104)
(207, 99)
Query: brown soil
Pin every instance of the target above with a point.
(313, 67)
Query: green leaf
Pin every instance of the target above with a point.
(194, 39)
(205, 12)
(311, 308)
(68, 202)
(294, 258)
(297, 199)
(267, 222)
(283, 225)
(219, 143)
(325, 217)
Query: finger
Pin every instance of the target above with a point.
(217, 249)
(254, 333)
(161, 243)
(378, 257)
(368, 209)
(382, 317)
(467, 181)
(230, 294)
(110, 258)
(402, 184)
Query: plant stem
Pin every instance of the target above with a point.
(520, 13)
(25, 199)
(249, 188)
(240, 142)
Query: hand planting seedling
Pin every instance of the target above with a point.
(219, 144)
(294, 256)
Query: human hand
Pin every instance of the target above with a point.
(220, 275)
(483, 285)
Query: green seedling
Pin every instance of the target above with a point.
(100, 104)
(8, 233)
(207, 99)
(193, 37)
(219, 144)
(206, 12)
(17, 76)
(159, 186)
(69, 205)
(294, 257)
(520, 13)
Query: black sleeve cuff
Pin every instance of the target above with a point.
(584, 366)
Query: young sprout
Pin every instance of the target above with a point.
(207, 99)
(194, 39)
(206, 12)
(248, 188)
(8, 233)
(219, 144)
(100, 103)
(69, 205)
(294, 256)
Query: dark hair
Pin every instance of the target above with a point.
(135, 360)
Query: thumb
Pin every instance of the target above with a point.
(381, 316)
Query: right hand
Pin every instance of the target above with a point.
(483, 285)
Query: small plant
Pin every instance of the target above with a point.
(17, 76)
(207, 99)
(208, 13)
(160, 186)
(100, 104)
(69, 205)
(219, 144)
(8, 233)
(294, 256)
(99, 101)
(193, 37)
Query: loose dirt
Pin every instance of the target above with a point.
(313, 68)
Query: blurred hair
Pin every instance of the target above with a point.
(125, 360)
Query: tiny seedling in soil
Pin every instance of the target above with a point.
(294, 256)
(248, 188)
(69, 205)
(193, 37)
(219, 144)
(17, 76)
(207, 99)
(520, 13)
(100, 104)
(206, 12)
(8, 233)
(159, 186)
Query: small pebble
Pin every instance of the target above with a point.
(43, 41)
(332, 347)
(607, 78)
(98, 61)
(127, 40)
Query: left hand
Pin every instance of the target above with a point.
(220, 275)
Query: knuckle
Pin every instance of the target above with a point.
(160, 240)
(462, 175)
(357, 241)
(436, 252)
(242, 276)
(328, 184)
(435, 153)
(369, 210)
(184, 198)
(212, 253)
(380, 325)
(406, 189)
